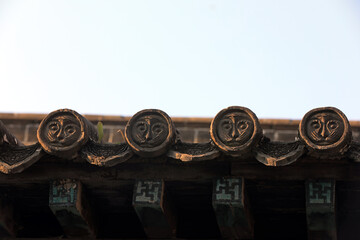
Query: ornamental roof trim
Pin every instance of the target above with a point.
(235, 132)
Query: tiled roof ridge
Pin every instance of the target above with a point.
(235, 132)
(119, 118)
(180, 122)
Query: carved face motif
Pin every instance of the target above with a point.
(63, 130)
(150, 131)
(235, 128)
(324, 128)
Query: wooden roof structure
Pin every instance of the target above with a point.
(236, 184)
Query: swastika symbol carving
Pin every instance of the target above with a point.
(227, 190)
(63, 192)
(148, 192)
(321, 192)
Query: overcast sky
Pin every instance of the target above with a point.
(188, 58)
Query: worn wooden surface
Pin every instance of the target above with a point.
(321, 209)
(170, 169)
(69, 204)
(278, 207)
(233, 214)
(7, 221)
(276, 195)
(154, 209)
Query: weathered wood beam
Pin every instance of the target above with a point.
(154, 209)
(320, 209)
(70, 206)
(7, 222)
(308, 168)
(231, 208)
(51, 166)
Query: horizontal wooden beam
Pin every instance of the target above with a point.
(46, 169)
(70, 206)
(305, 168)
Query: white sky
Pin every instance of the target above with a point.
(187, 58)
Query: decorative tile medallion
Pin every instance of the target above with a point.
(150, 132)
(64, 132)
(235, 130)
(325, 129)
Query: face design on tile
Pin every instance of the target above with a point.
(324, 128)
(62, 130)
(235, 128)
(150, 131)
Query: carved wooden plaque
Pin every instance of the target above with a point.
(70, 206)
(148, 192)
(320, 192)
(150, 133)
(154, 209)
(64, 132)
(235, 130)
(321, 209)
(231, 208)
(325, 130)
